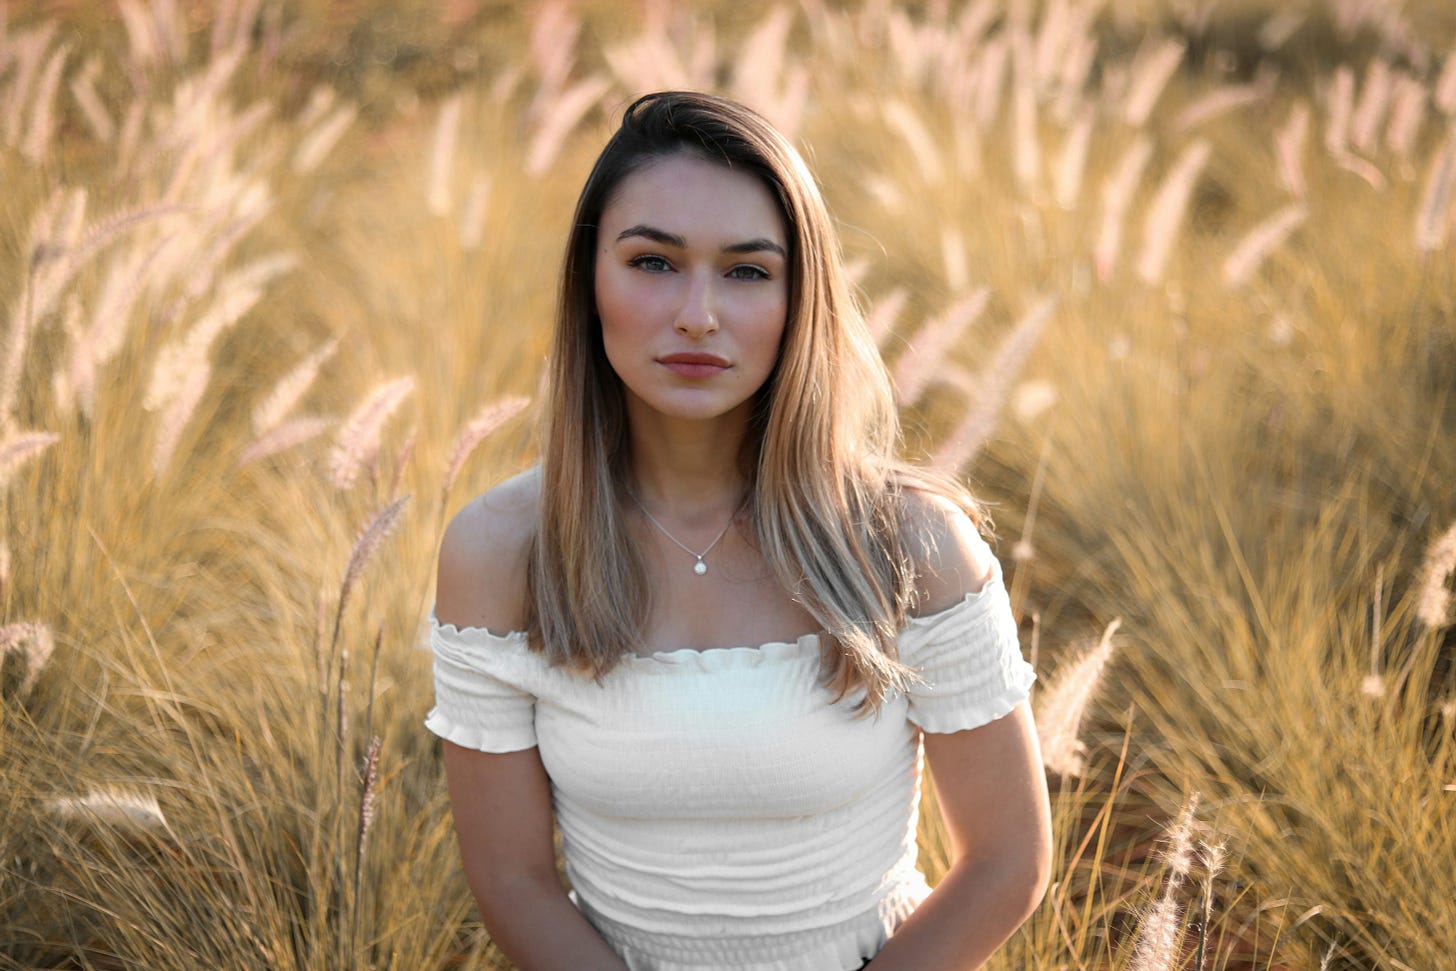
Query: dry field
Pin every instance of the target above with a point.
(1173, 284)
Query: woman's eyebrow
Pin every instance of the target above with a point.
(761, 244)
(654, 234)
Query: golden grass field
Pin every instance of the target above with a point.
(1173, 284)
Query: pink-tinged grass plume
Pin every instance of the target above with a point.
(1289, 146)
(291, 388)
(284, 436)
(1152, 67)
(1444, 93)
(1259, 242)
(19, 448)
(1072, 160)
(989, 388)
(1433, 219)
(356, 444)
(927, 351)
(37, 144)
(1222, 101)
(368, 543)
(1407, 114)
(1026, 163)
(1166, 211)
(1339, 107)
(318, 143)
(477, 430)
(1117, 193)
(563, 114)
(83, 90)
(1371, 108)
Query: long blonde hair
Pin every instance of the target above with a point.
(827, 497)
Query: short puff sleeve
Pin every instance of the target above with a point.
(482, 698)
(968, 659)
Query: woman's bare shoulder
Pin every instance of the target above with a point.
(951, 559)
(483, 556)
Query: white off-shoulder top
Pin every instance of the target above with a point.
(716, 808)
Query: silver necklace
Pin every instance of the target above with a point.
(699, 567)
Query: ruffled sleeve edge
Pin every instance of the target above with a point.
(479, 647)
(494, 741)
(476, 659)
(982, 613)
(993, 708)
(476, 636)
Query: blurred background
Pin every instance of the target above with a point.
(1171, 284)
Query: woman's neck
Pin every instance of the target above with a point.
(689, 470)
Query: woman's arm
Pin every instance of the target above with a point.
(992, 793)
(501, 802)
(502, 809)
(989, 783)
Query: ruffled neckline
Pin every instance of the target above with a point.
(716, 658)
(709, 658)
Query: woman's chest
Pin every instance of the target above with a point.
(723, 734)
(738, 602)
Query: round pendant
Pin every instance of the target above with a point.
(700, 568)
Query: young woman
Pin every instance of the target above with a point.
(710, 634)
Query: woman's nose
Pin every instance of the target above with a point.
(697, 316)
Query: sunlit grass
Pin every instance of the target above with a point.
(212, 675)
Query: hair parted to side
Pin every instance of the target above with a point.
(827, 495)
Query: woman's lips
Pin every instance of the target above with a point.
(693, 365)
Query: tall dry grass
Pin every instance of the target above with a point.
(1172, 284)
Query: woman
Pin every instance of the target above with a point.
(707, 635)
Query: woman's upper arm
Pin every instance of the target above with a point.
(501, 803)
(988, 779)
(992, 792)
(501, 800)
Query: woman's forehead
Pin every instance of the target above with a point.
(683, 192)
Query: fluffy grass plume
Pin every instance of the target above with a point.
(112, 807)
(357, 442)
(491, 417)
(1062, 706)
(1434, 605)
(290, 388)
(1260, 241)
(20, 448)
(31, 645)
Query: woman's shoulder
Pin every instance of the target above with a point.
(481, 580)
(944, 543)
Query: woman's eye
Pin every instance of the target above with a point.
(652, 264)
(748, 272)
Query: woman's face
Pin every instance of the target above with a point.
(691, 288)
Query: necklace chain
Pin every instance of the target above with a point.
(699, 567)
